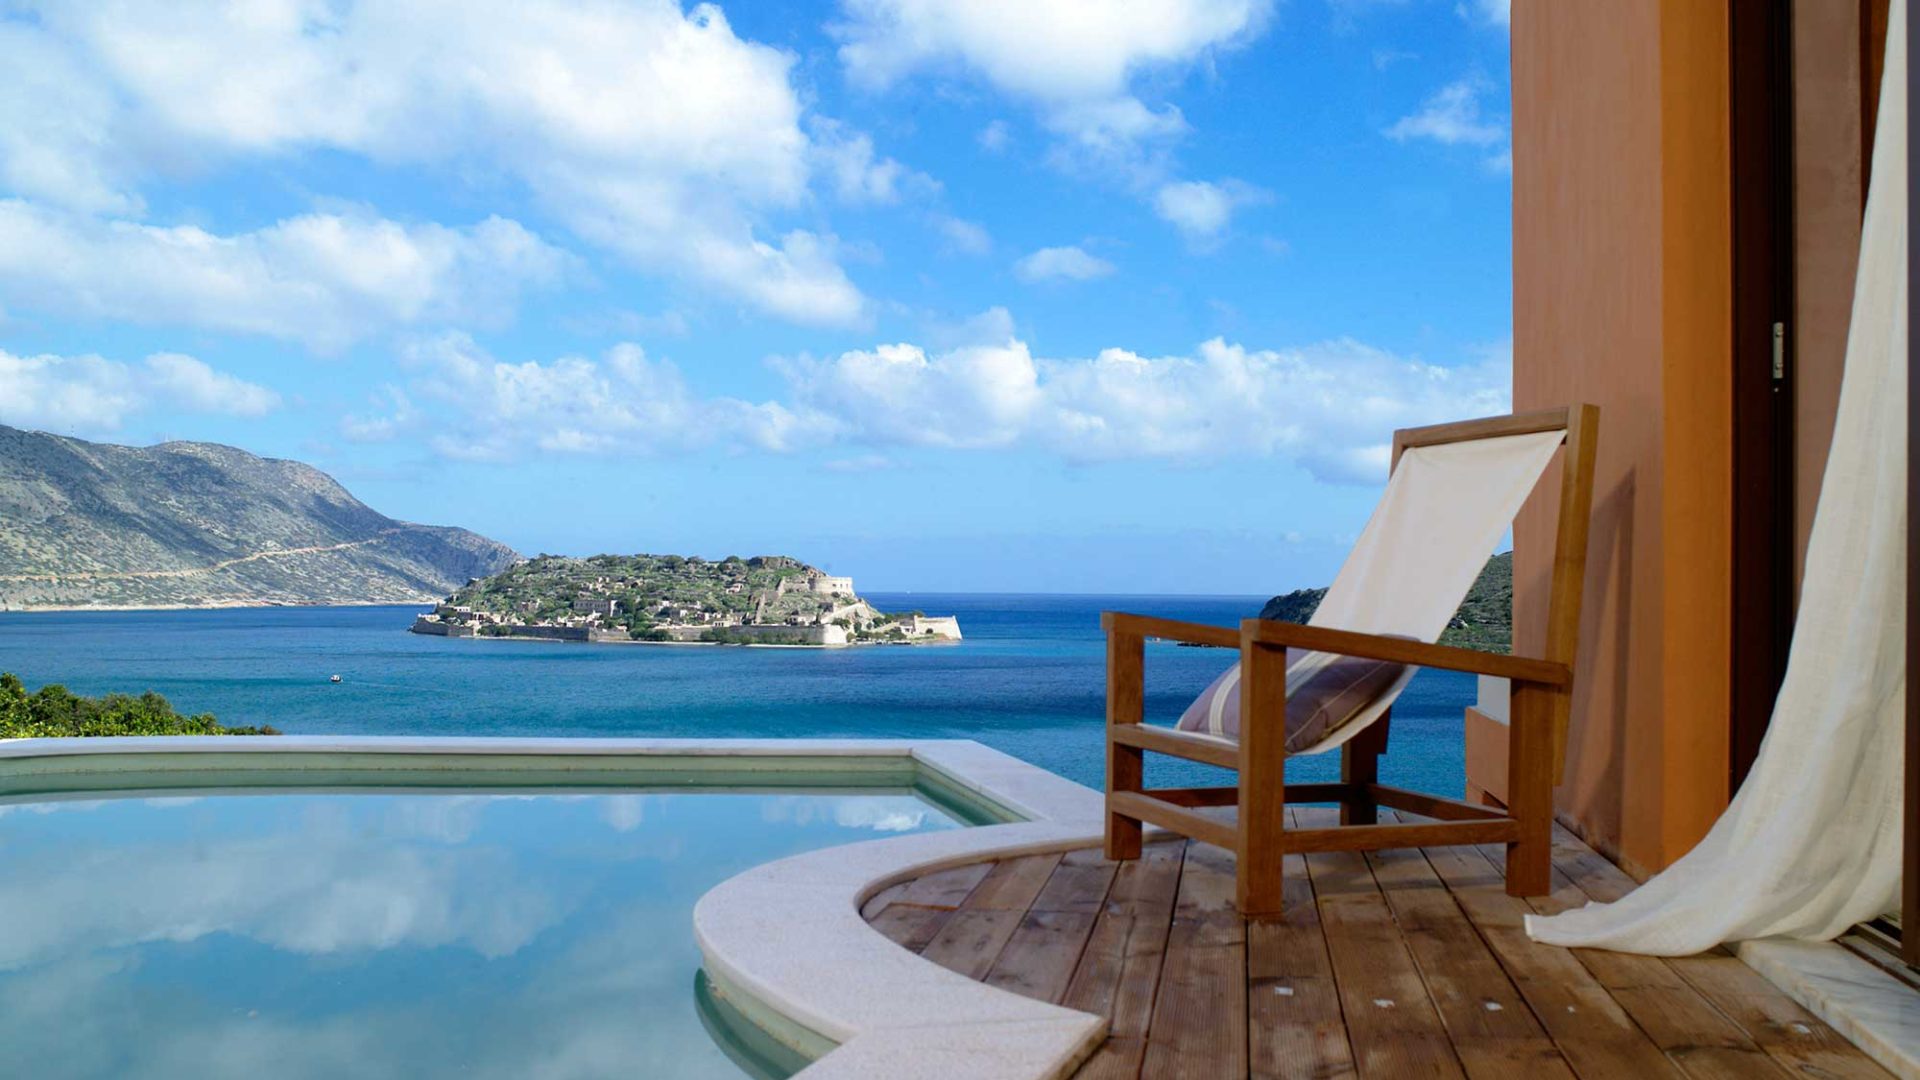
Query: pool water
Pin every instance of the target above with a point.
(509, 932)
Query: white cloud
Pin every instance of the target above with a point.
(1491, 12)
(621, 402)
(1061, 264)
(1328, 407)
(1452, 116)
(191, 384)
(654, 132)
(1201, 210)
(322, 279)
(95, 395)
(995, 137)
(1347, 12)
(394, 413)
(968, 397)
(859, 175)
(963, 236)
(1075, 61)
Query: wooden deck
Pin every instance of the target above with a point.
(1397, 964)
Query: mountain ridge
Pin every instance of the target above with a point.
(193, 524)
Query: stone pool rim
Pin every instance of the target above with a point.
(783, 942)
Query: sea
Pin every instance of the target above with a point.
(1028, 680)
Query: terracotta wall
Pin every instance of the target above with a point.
(1622, 298)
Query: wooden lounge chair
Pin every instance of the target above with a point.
(1446, 457)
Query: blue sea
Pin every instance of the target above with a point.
(1028, 680)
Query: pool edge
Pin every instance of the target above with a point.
(788, 937)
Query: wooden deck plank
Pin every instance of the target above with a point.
(1040, 958)
(1794, 1037)
(1119, 971)
(1013, 884)
(878, 902)
(1392, 1024)
(970, 941)
(1486, 1019)
(1595, 1035)
(1294, 1023)
(1697, 1037)
(944, 888)
(1798, 1041)
(1199, 1026)
(1116, 1059)
(1045, 951)
(910, 926)
(1079, 884)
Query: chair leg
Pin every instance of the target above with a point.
(1262, 819)
(1360, 766)
(1126, 765)
(1530, 791)
(1125, 769)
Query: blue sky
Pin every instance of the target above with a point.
(973, 296)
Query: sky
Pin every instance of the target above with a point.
(990, 295)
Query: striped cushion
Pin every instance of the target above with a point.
(1325, 701)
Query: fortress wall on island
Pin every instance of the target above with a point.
(806, 635)
(938, 626)
(770, 633)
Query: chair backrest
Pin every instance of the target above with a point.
(1453, 493)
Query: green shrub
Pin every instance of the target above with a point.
(54, 711)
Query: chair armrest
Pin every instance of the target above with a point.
(1115, 622)
(1400, 650)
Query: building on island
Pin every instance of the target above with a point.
(827, 585)
(935, 626)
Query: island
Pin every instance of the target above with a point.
(675, 599)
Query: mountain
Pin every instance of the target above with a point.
(1484, 621)
(185, 524)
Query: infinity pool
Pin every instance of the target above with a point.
(395, 924)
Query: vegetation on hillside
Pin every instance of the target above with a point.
(55, 711)
(652, 590)
(1484, 621)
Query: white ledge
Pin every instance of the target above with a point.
(1870, 1008)
(788, 937)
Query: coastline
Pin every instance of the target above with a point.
(222, 605)
(697, 644)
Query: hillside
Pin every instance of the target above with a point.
(183, 524)
(1484, 621)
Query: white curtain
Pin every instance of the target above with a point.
(1811, 844)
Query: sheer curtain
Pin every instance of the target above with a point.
(1811, 844)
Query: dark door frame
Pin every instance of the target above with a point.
(1762, 542)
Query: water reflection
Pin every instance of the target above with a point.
(374, 935)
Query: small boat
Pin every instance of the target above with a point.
(336, 678)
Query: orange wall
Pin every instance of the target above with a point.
(1622, 297)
